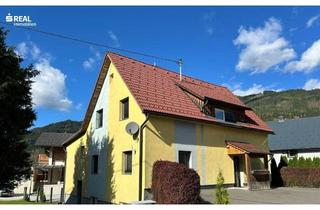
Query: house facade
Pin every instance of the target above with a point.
(295, 138)
(199, 124)
(49, 166)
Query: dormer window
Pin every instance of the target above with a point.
(219, 114)
(230, 116)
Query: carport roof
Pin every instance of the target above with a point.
(303, 133)
(52, 139)
(246, 147)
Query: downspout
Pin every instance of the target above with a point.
(64, 179)
(143, 125)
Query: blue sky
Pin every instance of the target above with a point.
(248, 49)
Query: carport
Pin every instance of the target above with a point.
(255, 164)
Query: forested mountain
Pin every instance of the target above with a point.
(288, 104)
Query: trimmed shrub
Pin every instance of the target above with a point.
(222, 195)
(302, 162)
(301, 177)
(284, 159)
(174, 183)
(293, 162)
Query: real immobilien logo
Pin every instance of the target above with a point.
(20, 20)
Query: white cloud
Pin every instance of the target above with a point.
(309, 60)
(114, 39)
(88, 64)
(312, 20)
(22, 49)
(91, 61)
(48, 89)
(78, 106)
(209, 30)
(312, 84)
(255, 89)
(35, 51)
(29, 50)
(263, 47)
(208, 21)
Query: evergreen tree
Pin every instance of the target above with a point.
(16, 115)
(222, 195)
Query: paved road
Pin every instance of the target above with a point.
(281, 195)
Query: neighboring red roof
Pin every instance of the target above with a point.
(155, 90)
(246, 147)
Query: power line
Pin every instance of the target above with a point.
(92, 43)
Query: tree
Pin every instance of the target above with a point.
(222, 195)
(16, 115)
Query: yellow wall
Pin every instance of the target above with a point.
(160, 144)
(159, 138)
(126, 186)
(75, 166)
(123, 187)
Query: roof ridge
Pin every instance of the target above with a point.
(167, 70)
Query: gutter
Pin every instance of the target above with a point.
(143, 125)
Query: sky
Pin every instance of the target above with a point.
(247, 49)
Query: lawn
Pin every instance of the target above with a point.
(17, 202)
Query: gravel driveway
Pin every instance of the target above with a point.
(282, 195)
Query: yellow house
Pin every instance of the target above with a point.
(140, 113)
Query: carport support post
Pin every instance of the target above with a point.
(248, 169)
(51, 191)
(265, 158)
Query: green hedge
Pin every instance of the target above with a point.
(302, 162)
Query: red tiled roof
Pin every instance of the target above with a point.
(155, 90)
(246, 147)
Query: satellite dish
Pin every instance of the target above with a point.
(132, 128)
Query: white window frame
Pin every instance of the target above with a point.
(224, 116)
(100, 113)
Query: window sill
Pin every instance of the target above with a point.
(127, 173)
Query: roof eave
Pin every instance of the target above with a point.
(207, 121)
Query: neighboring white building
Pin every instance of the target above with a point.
(295, 137)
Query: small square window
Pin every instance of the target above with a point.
(185, 158)
(124, 108)
(219, 114)
(127, 162)
(99, 118)
(94, 164)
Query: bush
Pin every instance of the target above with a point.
(293, 162)
(284, 159)
(222, 196)
(174, 183)
(301, 177)
(302, 162)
